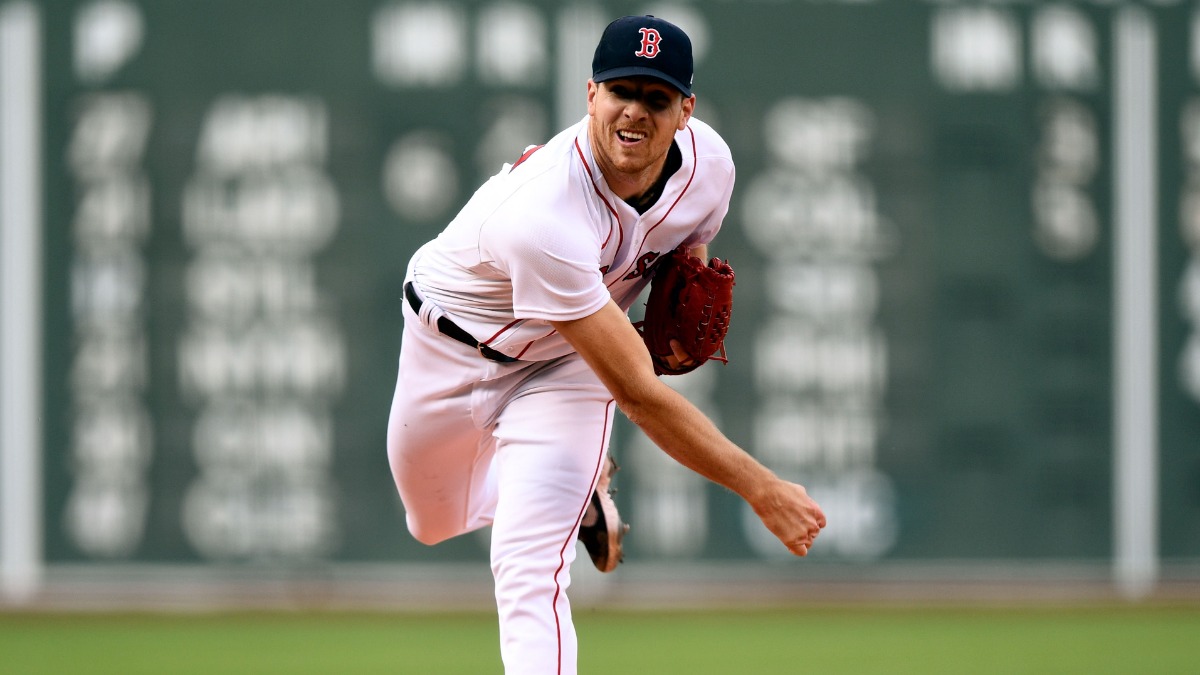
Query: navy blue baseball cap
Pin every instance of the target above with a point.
(644, 45)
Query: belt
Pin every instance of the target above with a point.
(452, 330)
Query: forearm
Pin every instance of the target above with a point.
(690, 438)
(613, 349)
(615, 352)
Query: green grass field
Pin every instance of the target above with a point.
(1116, 639)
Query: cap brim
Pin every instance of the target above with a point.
(635, 71)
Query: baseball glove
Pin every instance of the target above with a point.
(689, 302)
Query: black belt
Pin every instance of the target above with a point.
(451, 330)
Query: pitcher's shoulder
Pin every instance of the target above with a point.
(709, 143)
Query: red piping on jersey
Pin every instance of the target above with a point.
(660, 220)
(527, 344)
(682, 192)
(620, 230)
(510, 325)
(574, 534)
(495, 335)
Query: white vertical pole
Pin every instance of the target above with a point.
(20, 303)
(1135, 321)
(578, 28)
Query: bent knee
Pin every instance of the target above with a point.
(428, 533)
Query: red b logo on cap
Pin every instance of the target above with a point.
(650, 40)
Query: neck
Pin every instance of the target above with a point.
(649, 197)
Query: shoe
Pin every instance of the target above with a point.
(602, 530)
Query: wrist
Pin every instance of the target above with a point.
(761, 489)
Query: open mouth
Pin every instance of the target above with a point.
(631, 136)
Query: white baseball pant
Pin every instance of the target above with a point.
(518, 446)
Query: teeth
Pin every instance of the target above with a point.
(631, 135)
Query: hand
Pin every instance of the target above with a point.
(791, 515)
(679, 358)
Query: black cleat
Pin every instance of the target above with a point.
(602, 529)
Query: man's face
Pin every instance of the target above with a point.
(633, 121)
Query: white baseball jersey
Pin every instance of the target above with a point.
(545, 239)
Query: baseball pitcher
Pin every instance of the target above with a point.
(517, 347)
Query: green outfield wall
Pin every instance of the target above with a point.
(926, 229)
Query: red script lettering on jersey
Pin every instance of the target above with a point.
(644, 264)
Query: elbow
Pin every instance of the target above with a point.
(639, 404)
(632, 410)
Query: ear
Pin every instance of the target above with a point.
(687, 108)
(592, 90)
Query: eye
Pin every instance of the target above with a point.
(658, 102)
(621, 92)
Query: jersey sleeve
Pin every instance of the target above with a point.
(554, 266)
(708, 228)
